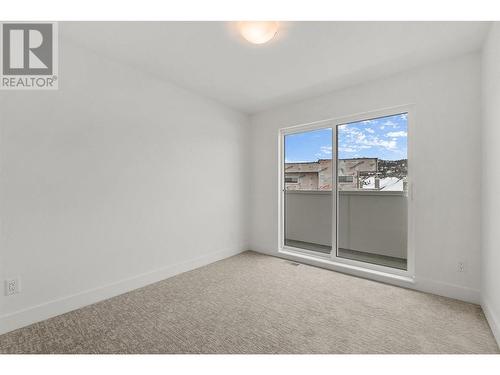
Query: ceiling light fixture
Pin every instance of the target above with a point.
(258, 32)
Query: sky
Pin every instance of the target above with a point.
(384, 138)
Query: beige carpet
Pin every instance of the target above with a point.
(253, 303)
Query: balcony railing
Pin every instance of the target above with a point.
(369, 222)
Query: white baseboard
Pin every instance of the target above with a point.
(493, 319)
(63, 305)
(441, 288)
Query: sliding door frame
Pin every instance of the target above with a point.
(324, 124)
(344, 264)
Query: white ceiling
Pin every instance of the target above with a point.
(306, 59)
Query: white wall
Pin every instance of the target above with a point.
(490, 182)
(446, 166)
(113, 182)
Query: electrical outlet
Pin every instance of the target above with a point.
(461, 267)
(11, 287)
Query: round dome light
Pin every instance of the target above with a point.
(258, 32)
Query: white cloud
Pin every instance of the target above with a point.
(326, 149)
(324, 152)
(357, 139)
(397, 134)
(370, 130)
(390, 123)
(348, 149)
(389, 145)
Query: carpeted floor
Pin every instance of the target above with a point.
(252, 303)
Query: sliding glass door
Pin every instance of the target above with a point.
(308, 182)
(372, 191)
(344, 191)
